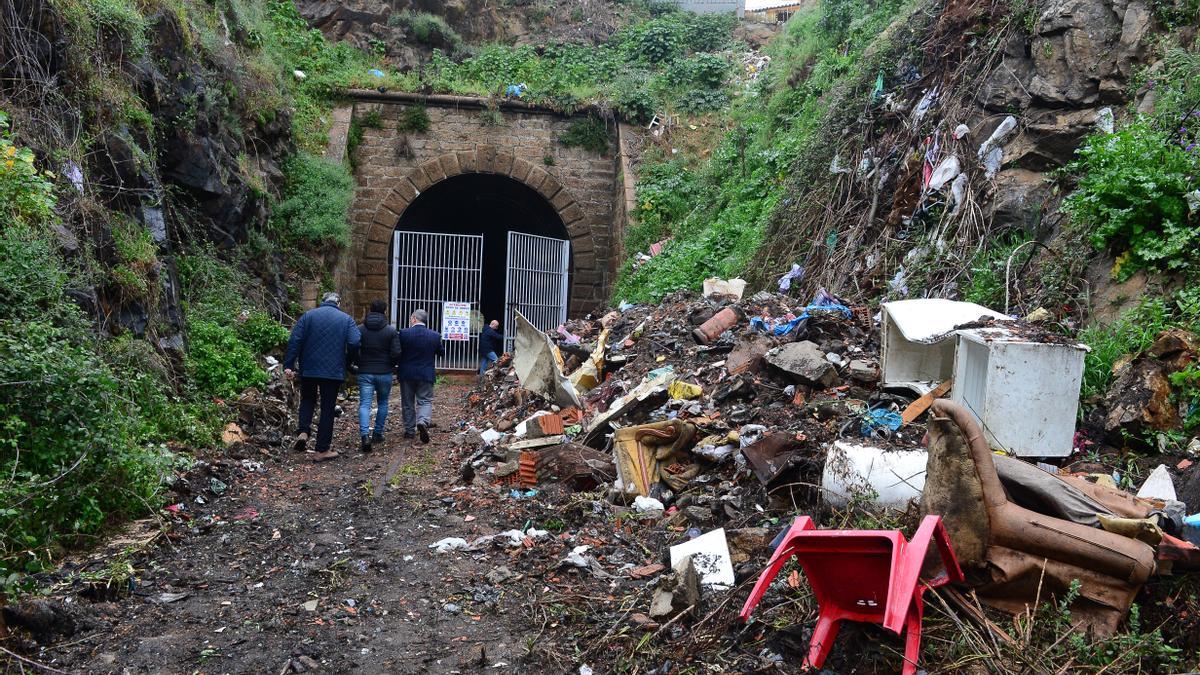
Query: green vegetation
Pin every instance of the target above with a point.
(219, 362)
(414, 119)
(26, 194)
(988, 268)
(1134, 185)
(1131, 196)
(74, 450)
(87, 417)
(643, 69)
(589, 133)
(716, 211)
(1134, 650)
(429, 29)
(1134, 332)
(358, 126)
(314, 211)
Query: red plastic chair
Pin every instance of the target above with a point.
(870, 576)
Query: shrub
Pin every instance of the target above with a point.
(68, 447)
(26, 194)
(316, 203)
(219, 364)
(414, 119)
(658, 41)
(429, 29)
(262, 333)
(159, 413)
(1130, 196)
(704, 71)
(634, 100)
(209, 283)
(590, 133)
(32, 279)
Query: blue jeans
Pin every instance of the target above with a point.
(417, 398)
(486, 362)
(377, 387)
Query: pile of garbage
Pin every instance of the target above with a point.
(704, 424)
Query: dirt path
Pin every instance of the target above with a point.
(299, 532)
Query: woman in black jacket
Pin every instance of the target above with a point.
(377, 358)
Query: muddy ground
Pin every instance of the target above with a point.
(339, 533)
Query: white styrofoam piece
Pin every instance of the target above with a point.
(896, 476)
(917, 353)
(710, 555)
(1024, 394)
(1158, 485)
(523, 427)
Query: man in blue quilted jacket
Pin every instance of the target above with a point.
(325, 339)
(419, 349)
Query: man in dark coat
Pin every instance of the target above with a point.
(325, 339)
(491, 343)
(377, 359)
(419, 349)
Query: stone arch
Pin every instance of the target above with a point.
(373, 273)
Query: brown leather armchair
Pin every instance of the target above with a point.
(1023, 557)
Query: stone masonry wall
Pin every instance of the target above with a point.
(393, 167)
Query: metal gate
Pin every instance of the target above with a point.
(537, 282)
(430, 269)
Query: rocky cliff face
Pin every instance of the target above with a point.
(148, 127)
(1034, 78)
(371, 24)
(1061, 80)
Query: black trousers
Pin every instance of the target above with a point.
(310, 387)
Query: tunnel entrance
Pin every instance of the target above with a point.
(486, 240)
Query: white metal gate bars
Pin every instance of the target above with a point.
(429, 269)
(537, 282)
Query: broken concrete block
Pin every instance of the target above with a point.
(863, 371)
(506, 469)
(699, 514)
(805, 362)
(687, 584)
(661, 606)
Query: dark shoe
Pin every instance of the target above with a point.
(301, 442)
(409, 435)
(365, 446)
(376, 437)
(326, 456)
(423, 431)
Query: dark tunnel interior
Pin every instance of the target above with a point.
(490, 205)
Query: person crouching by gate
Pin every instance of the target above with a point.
(419, 349)
(377, 359)
(491, 343)
(325, 339)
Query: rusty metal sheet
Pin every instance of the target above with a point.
(771, 455)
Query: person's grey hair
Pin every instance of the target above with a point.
(421, 315)
(331, 297)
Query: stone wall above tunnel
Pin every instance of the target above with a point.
(393, 166)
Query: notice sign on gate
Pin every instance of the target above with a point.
(456, 321)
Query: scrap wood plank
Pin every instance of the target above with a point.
(914, 409)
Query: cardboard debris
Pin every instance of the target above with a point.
(587, 377)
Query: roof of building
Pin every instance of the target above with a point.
(759, 5)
